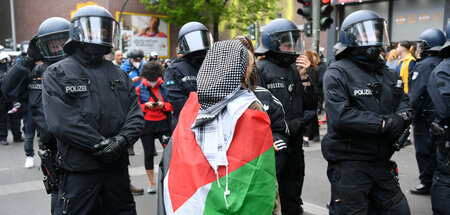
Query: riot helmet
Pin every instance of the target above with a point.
(363, 29)
(281, 36)
(430, 40)
(445, 51)
(24, 47)
(194, 37)
(51, 36)
(93, 25)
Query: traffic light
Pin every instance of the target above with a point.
(251, 31)
(325, 13)
(307, 29)
(8, 43)
(306, 10)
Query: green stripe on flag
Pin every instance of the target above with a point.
(252, 188)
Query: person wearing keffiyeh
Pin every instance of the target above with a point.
(220, 159)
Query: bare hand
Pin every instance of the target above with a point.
(303, 64)
(136, 79)
(160, 104)
(149, 105)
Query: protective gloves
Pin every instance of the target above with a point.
(33, 50)
(110, 149)
(393, 126)
(296, 125)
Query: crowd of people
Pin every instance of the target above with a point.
(232, 120)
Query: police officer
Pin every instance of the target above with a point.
(24, 81)
(283, 73)
(367, 111)
(428, 47)
(91, 107)
(438, 89)
(194, 40)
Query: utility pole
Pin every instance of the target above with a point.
(316, 25)
(13, 25)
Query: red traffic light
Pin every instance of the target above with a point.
(305, 2)
(325, 1)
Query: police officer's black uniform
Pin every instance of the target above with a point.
(439, 91)
(430, 43)
(367, 111)
(180, 77)
(91, 107)
(278, 74)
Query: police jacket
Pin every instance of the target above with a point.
(3, 71)
(355, 107)
(285, 84)
(418, 96)
(439, 91)
(274, 109)
(180, 79)
(84, 104)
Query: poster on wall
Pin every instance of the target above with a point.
(146, 32)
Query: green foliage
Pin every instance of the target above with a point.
(237, 14)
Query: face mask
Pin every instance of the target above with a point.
(367, 54)
(91, 53)
(136, 64)
(283, 60)
(152, 83)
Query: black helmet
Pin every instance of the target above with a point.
(193, 37)
(136, 54)
(363, 28)
(431, 40)
(24, 47)
(281, 36)
(445, 51)
(52, 34)
(95, 25)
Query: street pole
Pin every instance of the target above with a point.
(315, 25)
(13, 25)
(120, 24)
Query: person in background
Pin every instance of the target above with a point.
(5, 106)
(151, 97)
(406, 63)
(133, 65)
(312, 128)
(392, 59)
(429, 45)
(118, 58)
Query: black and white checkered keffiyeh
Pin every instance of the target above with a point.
(221, 72)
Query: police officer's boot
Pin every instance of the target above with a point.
(135, 190)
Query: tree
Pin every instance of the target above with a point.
(237, 14)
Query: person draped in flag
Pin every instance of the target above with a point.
(221, 158)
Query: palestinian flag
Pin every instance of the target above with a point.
(189, 185)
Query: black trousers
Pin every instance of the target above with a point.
(440, 190)
(148, 143)
(365, 187)
(425, 155)
(13, 120)
(98, 192)
(290, 175)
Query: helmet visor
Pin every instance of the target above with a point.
(51, 45)
(367, 33)
(195, 41)
(97, 30)
(287, 42)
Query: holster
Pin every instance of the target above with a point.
(49, 169)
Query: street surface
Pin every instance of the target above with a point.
(22, 191)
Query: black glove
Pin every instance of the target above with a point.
(295, 126)
(33, 50)
(111, 149)
(393, 127)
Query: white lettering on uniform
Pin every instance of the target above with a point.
(35, 86)
(362, 92)
(75, 89)
(189, 78)
(275, 85)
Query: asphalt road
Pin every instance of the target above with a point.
(22, 191)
